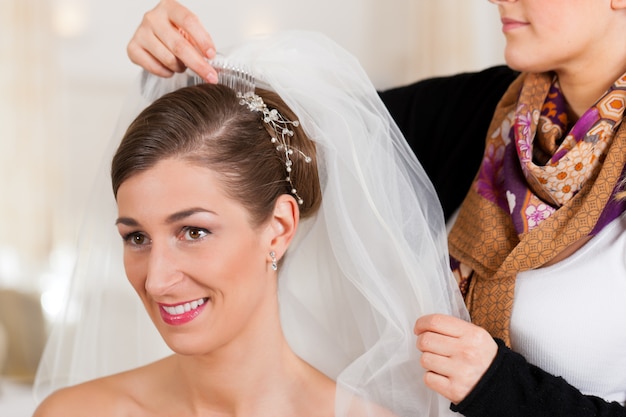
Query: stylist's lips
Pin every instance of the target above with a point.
(512, 24)
(178, 314)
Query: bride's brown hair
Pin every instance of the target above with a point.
(207, 126)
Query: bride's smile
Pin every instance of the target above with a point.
(182, 313)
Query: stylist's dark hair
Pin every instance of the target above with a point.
(207, 126)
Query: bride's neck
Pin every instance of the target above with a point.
(254, 376)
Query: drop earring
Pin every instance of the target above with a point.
(274, 264)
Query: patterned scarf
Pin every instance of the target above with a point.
(543, 185)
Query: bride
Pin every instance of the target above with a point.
(281, 237)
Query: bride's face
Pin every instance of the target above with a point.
(191, 254)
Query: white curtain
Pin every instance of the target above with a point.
(31, 149)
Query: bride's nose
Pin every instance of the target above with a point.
(163, 271)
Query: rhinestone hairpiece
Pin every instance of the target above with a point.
(282, 129)
(243, 83)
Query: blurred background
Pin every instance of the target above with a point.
(63, 78)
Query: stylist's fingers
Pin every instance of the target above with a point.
(147, 45)
(193, 44)
(192, 28)
(437, 357)
(440, 344)
(147, 51)
(149, 63)
(186, 51)
(440, 324)
(447, 375)
(173, 37)
(455, 354)
(148, 41)
(440, 384)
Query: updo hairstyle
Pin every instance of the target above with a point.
(207, 126)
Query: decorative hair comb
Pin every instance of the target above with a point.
(235, 77)
(243, 83)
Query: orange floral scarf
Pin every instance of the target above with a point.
(543, 185)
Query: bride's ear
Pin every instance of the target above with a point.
(283, 224)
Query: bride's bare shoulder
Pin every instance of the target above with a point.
(89, 398)
(118, 395)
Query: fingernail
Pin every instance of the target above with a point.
(210, 53)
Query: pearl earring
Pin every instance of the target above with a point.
(274, 264)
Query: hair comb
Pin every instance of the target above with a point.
(235, 77)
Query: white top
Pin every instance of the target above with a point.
(570, 318)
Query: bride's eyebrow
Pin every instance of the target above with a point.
(127, 221)
(172, 218)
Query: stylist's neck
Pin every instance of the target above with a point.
(582, 86)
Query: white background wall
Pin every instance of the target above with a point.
(64, 72)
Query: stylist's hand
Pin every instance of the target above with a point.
(455, 354)
(169, 39)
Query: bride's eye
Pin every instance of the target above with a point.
(194, 233)
(136, 239)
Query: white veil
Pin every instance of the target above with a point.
(354, 280)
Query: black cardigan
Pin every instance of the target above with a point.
(445, 121)
(512, 387)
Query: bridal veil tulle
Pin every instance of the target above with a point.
(358, 274)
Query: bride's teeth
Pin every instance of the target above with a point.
(183, 308)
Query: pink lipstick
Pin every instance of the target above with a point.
(178, 314)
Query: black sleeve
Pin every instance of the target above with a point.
(445, 122)
(512, 387)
